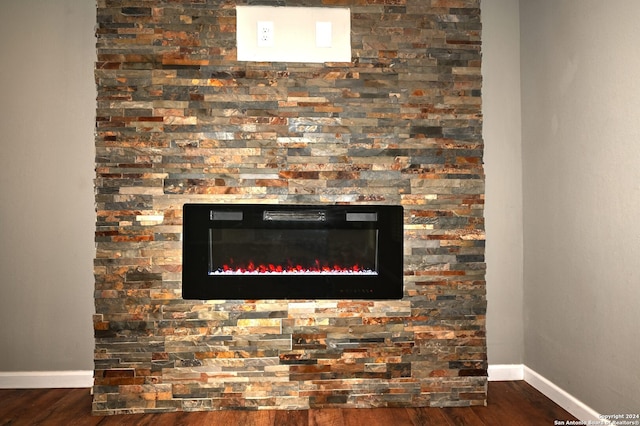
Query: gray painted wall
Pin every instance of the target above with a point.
(47, 220)
(581, 151)
(503, 170)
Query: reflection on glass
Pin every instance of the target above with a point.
(293, 251)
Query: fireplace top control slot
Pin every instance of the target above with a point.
(295, 215)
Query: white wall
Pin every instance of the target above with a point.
(503, 169)
(46, 184)
(581, 151)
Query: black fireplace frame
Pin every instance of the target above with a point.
(199, 284)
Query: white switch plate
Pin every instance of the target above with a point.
(323, 34)
(293, 34)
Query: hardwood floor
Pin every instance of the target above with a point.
(509, 403)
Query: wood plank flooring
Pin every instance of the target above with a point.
(509, 403)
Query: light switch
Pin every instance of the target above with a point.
(323, 34)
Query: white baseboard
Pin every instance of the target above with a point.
(564, 399)
(510, 372)
(46, 379)
(506, 372)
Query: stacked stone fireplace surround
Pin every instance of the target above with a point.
(180, 120)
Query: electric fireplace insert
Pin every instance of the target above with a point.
(261, 251)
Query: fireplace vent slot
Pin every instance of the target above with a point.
(226, 215)
(362, 217)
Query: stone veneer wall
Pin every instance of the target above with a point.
(180, 120)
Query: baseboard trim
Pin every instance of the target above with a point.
(561, 397)
(506, 372)
(46, 379)
(510, 372)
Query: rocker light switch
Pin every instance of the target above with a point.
(323, 34)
